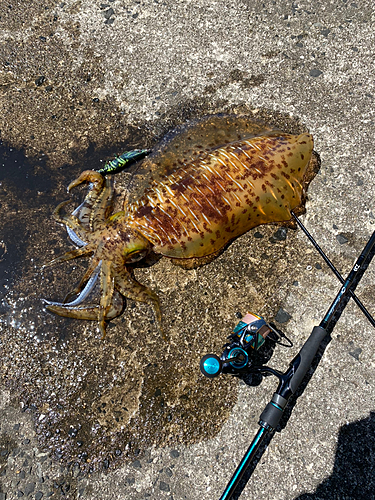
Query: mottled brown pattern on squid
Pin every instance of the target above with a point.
(196, 210)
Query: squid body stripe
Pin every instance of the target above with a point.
(184, 197)
(220, 161)
(151, 200)
(200, 192)
(251, 184)
(192, 221)
(181, 171)
(230, 161)
(261, 209)
(215, 208)
(290, 185)
(298, 182)
(237, 197)
(171, 223)
(197, 202)
(235, 182)
(164, 231)
(210, 188)
(237, 159)
(151, 235)
(186, 231)
(208, 201)
(227, 201)
(253, 145)
(206, 219)
(177, 207)
(271, 191)
(221, 187)
(194, 215)
(243, 165)
(196, 179)
(205, 176)
(169, 190)
(245, 153)
(159, 195)
(213, 171)
(148, 224)
(180, 209)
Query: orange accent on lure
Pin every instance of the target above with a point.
(191, 213)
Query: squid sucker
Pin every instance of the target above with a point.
(189, 215)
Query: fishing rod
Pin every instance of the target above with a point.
(251, 333)
(333, 268)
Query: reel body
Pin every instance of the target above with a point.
(247, 337)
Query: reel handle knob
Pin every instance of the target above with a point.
(210, 365)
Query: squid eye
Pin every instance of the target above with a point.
(136, 256)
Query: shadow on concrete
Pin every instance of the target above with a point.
(353, 475)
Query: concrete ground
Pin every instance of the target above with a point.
(131, 417)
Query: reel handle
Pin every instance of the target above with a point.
(233, 360)
(210, 365)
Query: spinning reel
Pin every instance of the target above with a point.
(239, 355)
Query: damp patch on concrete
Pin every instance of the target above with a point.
(100, 403)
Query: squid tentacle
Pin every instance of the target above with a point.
(84, 293)
(88, 288)
(85, 210)
(72, 254)
(70, 220)
(72, 235)
(98, 202)
(72, 223)
(94, 268)
(87, 311)
(96, 179)
(103, 205)
(107, 286)
(129, 287)
(75, 238)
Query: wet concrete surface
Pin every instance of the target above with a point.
(131, 416)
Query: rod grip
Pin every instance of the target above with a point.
(303, 360)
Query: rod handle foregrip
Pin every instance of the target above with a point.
(304, 358)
